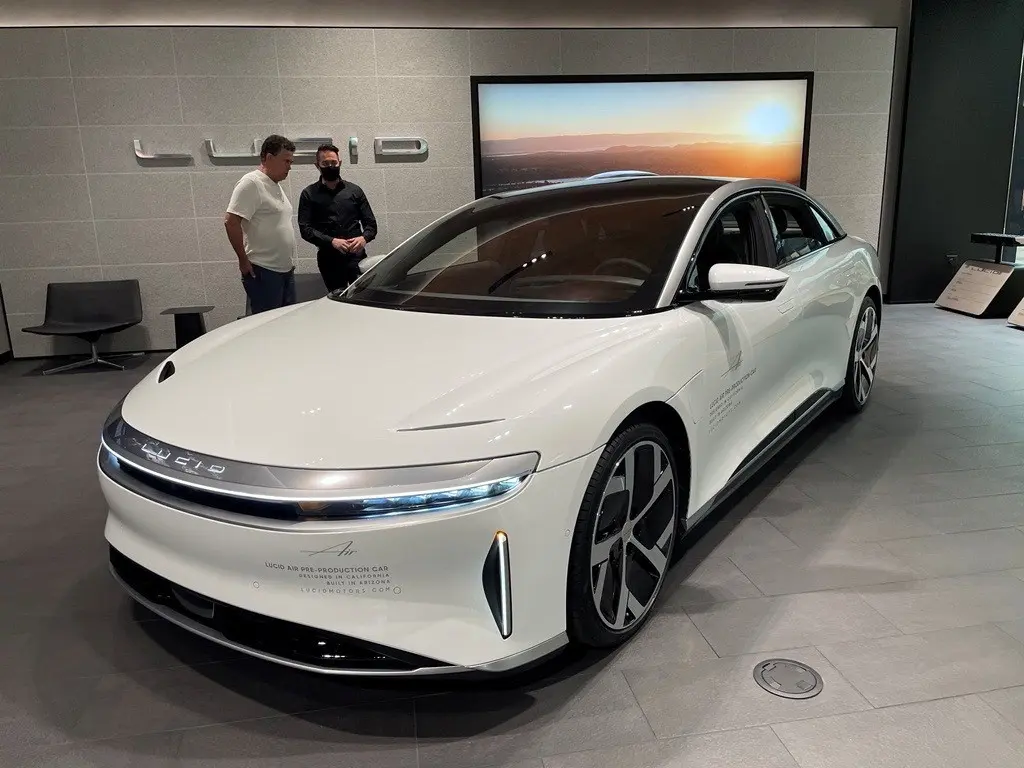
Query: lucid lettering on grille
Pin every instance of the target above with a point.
(196, 466)
(154, 451)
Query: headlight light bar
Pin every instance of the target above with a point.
(315, 494)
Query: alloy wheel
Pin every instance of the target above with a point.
(865, 355)
(636, 523)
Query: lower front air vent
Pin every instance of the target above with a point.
(308, 647)
(166, 372)
(497, 580)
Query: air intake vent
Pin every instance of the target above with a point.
(497, 579)
(166, 372)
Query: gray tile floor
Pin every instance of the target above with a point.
(887, 552)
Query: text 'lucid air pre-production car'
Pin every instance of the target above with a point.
(489, 446)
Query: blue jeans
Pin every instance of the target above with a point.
(268, 289)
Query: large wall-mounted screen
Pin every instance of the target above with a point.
(530, 132)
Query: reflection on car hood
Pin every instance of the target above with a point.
(341, 385)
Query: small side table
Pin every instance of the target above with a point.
(1000, 240)
(189, 323)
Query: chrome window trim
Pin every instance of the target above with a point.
(288, 484)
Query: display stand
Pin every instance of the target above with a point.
(984, 289)
(1000, 240)
(1016, 318)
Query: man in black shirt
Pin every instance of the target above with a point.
(335, 216)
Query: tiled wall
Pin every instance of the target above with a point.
(75, 203)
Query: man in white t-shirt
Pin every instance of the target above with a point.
(259, 227)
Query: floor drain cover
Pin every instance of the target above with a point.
(789, 679)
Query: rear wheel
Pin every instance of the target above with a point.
(624, 538)
(863, 362)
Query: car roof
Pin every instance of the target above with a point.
(625, 183)
(622, 186)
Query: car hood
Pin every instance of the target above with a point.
(335, 385)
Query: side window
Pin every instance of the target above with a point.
(797, 228)
(732, 238)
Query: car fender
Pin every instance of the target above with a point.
(581, 406)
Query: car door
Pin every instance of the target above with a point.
(817, 297)
(741, 371)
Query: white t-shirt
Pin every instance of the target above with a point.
(266, 214)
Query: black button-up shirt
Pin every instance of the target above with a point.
(326, 213)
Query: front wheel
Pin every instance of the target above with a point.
(624, 538)
(863, 363)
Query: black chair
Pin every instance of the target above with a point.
(89, 311)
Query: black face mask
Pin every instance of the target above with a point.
(331, 172)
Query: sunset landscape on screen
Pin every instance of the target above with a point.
(531, 134)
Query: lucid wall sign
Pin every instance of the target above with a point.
(222, 156)
(383, 146)
(217, 155)
(144, 156)
(309, 153)
(400, 146)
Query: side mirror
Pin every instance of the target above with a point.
(745, 282)
(365, 265)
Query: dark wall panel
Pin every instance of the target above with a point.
(965, 60)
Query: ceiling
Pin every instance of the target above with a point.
(456, 13)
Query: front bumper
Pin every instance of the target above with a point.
(424, 593)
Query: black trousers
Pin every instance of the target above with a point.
(339, 270)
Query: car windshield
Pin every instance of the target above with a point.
(592, 252)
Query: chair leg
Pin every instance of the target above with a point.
(69, 367)
(94, 359)
(119, 355)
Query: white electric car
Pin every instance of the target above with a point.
(489, 445)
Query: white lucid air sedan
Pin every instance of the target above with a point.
(490, 444)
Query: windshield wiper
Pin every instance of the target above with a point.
(505, 278)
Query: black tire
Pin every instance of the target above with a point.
(853, 399)
(645, 441)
